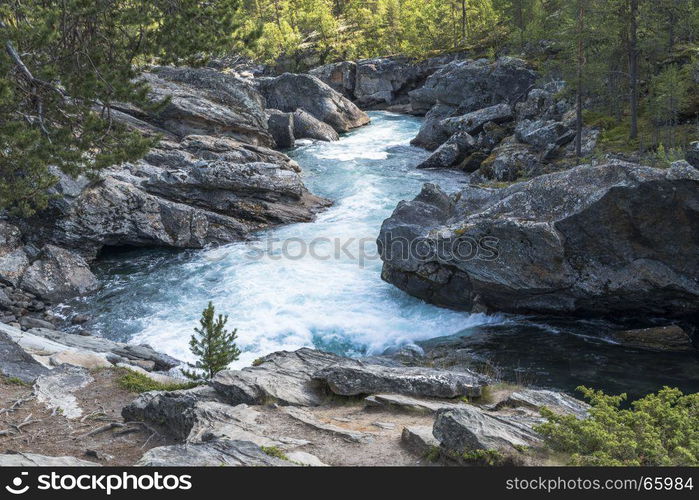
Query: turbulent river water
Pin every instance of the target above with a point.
(318, 284)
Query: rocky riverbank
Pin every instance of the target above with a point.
(291, 408)
(213, 177)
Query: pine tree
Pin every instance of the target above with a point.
(63, 66)
(213, 345)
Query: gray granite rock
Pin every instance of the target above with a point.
(355, 378)
(592, 240)
(470, 428)
(15, 362)
(217, 453)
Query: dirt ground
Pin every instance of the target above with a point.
(28, 426)
(385, 448)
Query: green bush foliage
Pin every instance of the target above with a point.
(661, 429)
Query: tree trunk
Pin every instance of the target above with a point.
(580, 65)
(633, 68)
(463, 21)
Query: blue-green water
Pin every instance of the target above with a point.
(286, 297)
(306, 285)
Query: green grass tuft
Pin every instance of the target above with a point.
(138, 382)
(275, 452)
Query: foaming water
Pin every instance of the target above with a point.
(314, 284)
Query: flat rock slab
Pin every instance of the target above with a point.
(56, 389)
(307, 459)
(88, 360)
(34, 460)
(223, 452)
(419, 439)
(17, 363)
(470, 428)
(126, 352)
(557, 402)
(284, 377)
(213, 420)
(355, 378)
(392, 401)
(308, 419)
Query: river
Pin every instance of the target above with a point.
(318, 284)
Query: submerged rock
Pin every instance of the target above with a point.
(662, 338)
(589, 240)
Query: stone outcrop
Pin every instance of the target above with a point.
(289, 92)
(557, 402)
(382, 82)
(307, 126)
(589, 240)
(463, 87)
(281, 126)
(44, 342)
(356, 378)
(285, 377)
(224, 452)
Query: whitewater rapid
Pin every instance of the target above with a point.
(314, 284)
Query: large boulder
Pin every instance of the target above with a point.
(354, 378)
(473, 122)
(509, 161)
(202, 100)
(470, 428)
(589, 240)
(58, 273)
(462, 87)
(284, 377)
(451, 153)
(471, 85)
(307, 126)
(341, 76)
(290, 92)
(16, 363)
(281, 126)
